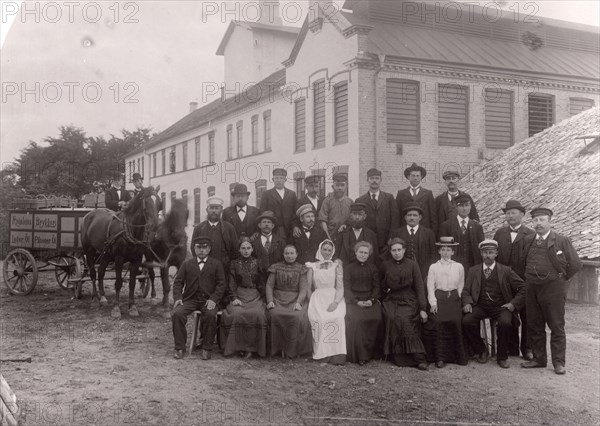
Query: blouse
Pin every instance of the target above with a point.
(446, 276)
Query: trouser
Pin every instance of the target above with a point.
(546, 305)
(208, 323)
(471, 328)
(517, 342)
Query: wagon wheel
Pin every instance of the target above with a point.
(79, 272)
(20, 272)
(64, 270)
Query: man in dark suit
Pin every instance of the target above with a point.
(550, 262)
(510, 240)
(382, 210)
(117, 196)
(137, 180)
(492, 291)
(420, 241)
(199, 286)
(467, 232)
(268, 246)
(445, 203)
(282, 202)
(311, 185)
(355, 232)
(311, 236)
(242, 216)
(416, 193)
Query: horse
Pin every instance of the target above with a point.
(125, 236)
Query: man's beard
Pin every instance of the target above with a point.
(241, 203)
(357, 223)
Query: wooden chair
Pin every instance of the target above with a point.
(196, 317)
(491, 340)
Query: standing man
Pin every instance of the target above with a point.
(445, 203)
(381, 209)
(310, 237)
(550, 261)
(416, 193)
(335, 210)
(137, 180)
(467, 232)
(492, 291)
(357, 231)
(282, 202)
(117, 196)
(199, 286)
(510, 240)
(242, 216)
(311, 185)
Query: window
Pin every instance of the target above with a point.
(229, 142)
(299, 181)
(130, 170)
(142, 163)
(300, 125)
(240, 138)
(173, 195)
(211, 148)
(453, 115)
(498, 118)
(184, 156)
(138, 166)
(197, 193)
(172, 160)
(163, 160)
(197, 152)
(163, 197)
(154, 164)
(254, 134)
(340, 96)
(184, 196)
(319, 114)
(577, 105)
(267, 128)
(541, 112)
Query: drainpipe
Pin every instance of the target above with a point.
(381, 57)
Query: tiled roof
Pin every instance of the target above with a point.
(554, 169)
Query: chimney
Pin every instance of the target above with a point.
(193, 106)
(269, 12)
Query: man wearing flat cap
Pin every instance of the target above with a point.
(415, 193)
(335, 210)
(311, 235)
(355, 232)
(510, 240)
(495, 291)
(445, 203)
(241, 215)
(467, 232)
(282, 202)
(382, 210)
(199, 286)
(550, 262)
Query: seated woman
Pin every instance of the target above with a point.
(443, 334)
(364, 328)
(403, 303)
(286, 291)
(327, 309)
(244, 319)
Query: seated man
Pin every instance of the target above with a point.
(311, 236)
(495, 291)
(199, 285)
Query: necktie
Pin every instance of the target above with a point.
(268, 244)
(307, 232)
(374, 201)
(539, 241)
(412, 232)
(514, 230)
(414, 192)
(201, 263)
(487, 272)
(463, 226)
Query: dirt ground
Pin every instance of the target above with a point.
(89, 369)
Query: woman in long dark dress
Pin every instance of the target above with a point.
(287, 289)
(364, 328)
(403, 304)
(244, 319)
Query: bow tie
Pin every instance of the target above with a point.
(241, 210)
(514, 230)
(307, 229)
(201, 261)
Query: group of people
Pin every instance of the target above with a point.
(408, 278)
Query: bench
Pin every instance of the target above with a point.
(196, 317)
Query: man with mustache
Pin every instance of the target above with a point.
(240, 214)
(310, 237)
(355, 232)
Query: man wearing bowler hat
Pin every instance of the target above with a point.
(268, 245)
(355, 232)
(492, 291)
(445, 203)
(417, 194)
(335, 210)
(510, 240)
(199, 286)
(117, 196)
(242, 216)
(282, 202)
(550, 262)
(137, 180)
(381, 209)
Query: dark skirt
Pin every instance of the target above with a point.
(364, 332)
(246, 326)
(442, 333)
(290, 331)
(402, 333)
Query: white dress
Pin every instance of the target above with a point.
(328, 328)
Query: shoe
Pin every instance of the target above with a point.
(423, 366)
(504, 363)
(205, 355)
(560, 369)
(248, 355)
(483, 357)
(178, 354)
(362, 362)
(528, 355)
(532, 364)
(440, 364)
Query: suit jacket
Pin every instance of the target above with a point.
(510, 253)
(511, 285)
(382, 219)
(307, 247)
(246, 227)
(227, 232)
(304, 200)
(190, 279)
(426, 252)
(274, 255)
(445, 210)
(111, 198)
(451, 228)
(284, 209)
(344, 246)
(566, 263)
(427, 203)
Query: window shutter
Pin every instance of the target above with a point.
(240, 138)
(402, 111)
(300, 125)
(229, 141)
(498, 118)
(341, 112)
(577, 105)
(319, 113)
(453, 115)
(541, 112)
(254, 134)
(197, 212)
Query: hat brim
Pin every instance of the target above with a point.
(410, 209)
(447, 244)
(240, 193)
(261, 217)
(415, 169)
(522, 209)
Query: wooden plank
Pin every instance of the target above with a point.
(6, 393)
(6, 416)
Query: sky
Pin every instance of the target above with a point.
(134, 63)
